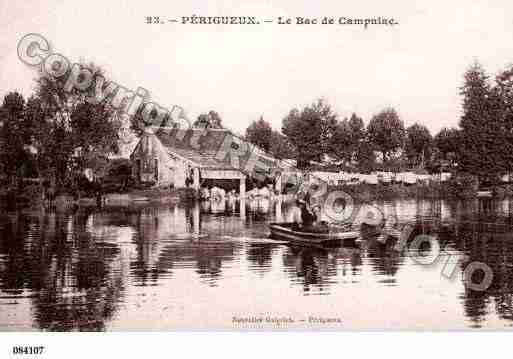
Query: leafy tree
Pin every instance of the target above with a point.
(44, 138)
(365, 156)
(418, 144)
(259, 133)
(310, 131)
(386, 132)
(70, 132)
(262, 135)
(357, 128)
(447, 145)
(346, 138)
(90, 150)
(208, 120)
(504, 92)
(482, 129)
(342, 144)
(14, 154)
(280, 146)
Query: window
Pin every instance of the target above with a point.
(156, 164)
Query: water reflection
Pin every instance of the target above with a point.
(260, 256)
(384, 259)
(87, 270)
(74, 281)
(489, 243)
(312, 269)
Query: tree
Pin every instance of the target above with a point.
(365, 156)
(504, 92)
(342, 144)
(346, 138)
(481, 127)
(280, 146)
(418, 144)
(310, 131)
(70, 132)
(357, 128)
(14, 138)
(210, 120)
(259, 133)
(447, 145)
(386, 132)
(91, 150)
(45, 139)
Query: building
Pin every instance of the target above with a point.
(184, 158)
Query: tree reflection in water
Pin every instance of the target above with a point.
(311, 268)
(73, 280)
(385, 260)
(260, 255)
(490, 243)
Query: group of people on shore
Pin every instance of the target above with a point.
(305, 216)
(217, 193)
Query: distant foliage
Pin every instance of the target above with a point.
(365, 157)
(418, 144)
(346, 138)
(309, 130)
(386, 132)
(447, 142)
(281, 147)
(259, 133)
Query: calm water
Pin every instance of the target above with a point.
(142, 269)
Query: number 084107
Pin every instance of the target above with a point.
(27, 350)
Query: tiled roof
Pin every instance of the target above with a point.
(204, 160)
(199, 146)
(202, 146)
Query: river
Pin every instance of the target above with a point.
(208, 267)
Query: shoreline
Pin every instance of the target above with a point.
(362, 193)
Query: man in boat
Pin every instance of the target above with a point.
(308, 218)
(319, 226)
(298, 212)
(305, 219)
(295, 216)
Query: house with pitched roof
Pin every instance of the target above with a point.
(184, 158)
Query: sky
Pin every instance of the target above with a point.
(244, 72)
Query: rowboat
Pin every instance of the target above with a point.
(284, 231)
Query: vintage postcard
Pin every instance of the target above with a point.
(255, 166)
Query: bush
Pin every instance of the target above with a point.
(120, 167)
(119, 177)
(462, 186)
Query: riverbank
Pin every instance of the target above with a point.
(448, 190)
(31, 197)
